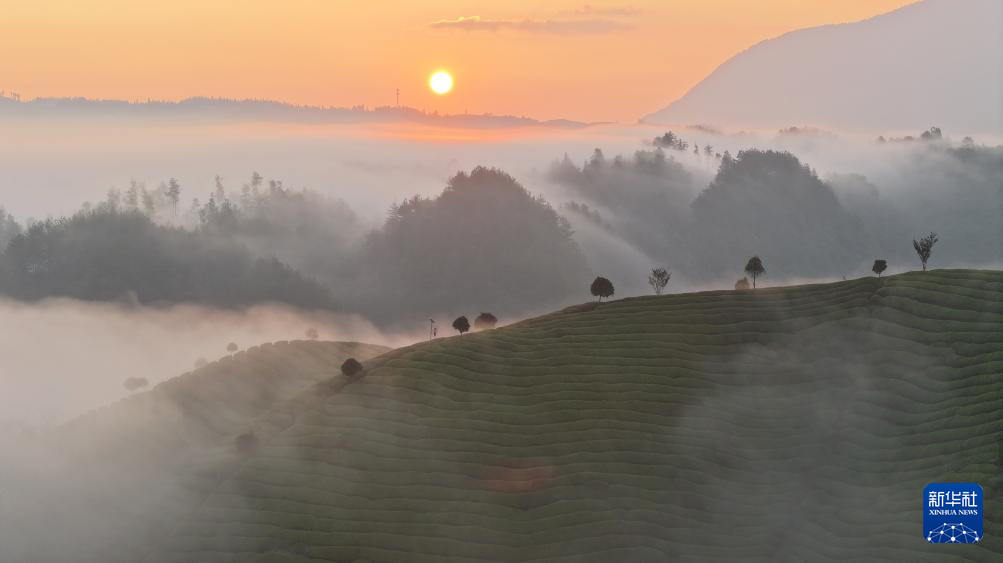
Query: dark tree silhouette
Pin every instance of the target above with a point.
(351, 368)
(932, 134)
(879, 266)
(670, 141)
(102, 255)
(246, 442)
(461, 324)
(742, 284)
(924, 247)
(485, 321)
(658, 279)
(434, 243)
(754, 267)
(602, 287)
(133, 383)
(232, 347)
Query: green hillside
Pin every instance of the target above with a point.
(792, 424)
(102, 487)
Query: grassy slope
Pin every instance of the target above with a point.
(122, 473)
(209, 406)
(794, 424)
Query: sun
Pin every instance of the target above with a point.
(440, 82)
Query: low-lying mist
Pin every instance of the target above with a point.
(624, 202)
(62, 357)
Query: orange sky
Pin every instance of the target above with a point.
(586, 60)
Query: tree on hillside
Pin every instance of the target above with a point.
(312, 333)
(461, 324)
(658, 279)
(351, 368)
(131, 197)
(232, 347)
(133, 383)
(220, 191)
(602, 287)
(201, 363)
(932, 134)
(173, 193)
(754, 267)
(879, 266)
(9, 228)
(485, 321)
(742, 284)
(670, 141)
(924, 247)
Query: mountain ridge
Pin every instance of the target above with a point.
(925, 63)
(227, 109)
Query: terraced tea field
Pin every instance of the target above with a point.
(787, 424)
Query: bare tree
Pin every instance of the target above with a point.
(924, 247)
(658, 279)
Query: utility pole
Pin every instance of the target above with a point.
(398, 98)
(431, 327)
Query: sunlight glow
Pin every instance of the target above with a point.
(440, 82)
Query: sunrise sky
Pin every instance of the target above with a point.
(593, 61)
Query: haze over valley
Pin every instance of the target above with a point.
(413, 284)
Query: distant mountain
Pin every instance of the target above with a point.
(936, 62)
(221, 109)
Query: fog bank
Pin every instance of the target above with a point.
(62, 357)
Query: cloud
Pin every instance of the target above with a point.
(549, 26)
(610, 11)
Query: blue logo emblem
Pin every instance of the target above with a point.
(952, 513)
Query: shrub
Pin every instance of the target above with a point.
(351, 368)
(485, 321)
